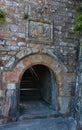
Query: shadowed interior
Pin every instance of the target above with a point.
(38, 83)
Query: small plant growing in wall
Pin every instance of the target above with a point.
(26, 16)
(78, 26)
(2, 16)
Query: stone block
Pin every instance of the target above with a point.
(11, 42)
(21, 44)
(21, 65)
(35, 59)
(2, 42)
(26, 62)
(21, 35)
(28, 51)
(48, 60)
(19, 39)
(2, 93)
(21, 54)
(2, 3)
(13, 48)
(64, 105)
(5, 35)
(10, 63)
(11, 76)
(11, 86)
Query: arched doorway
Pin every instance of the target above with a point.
(38, 83)
(13, 79)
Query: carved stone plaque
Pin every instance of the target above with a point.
(40, 31)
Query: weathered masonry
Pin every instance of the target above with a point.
(43, 48)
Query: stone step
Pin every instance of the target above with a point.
(39, 116)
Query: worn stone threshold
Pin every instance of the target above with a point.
(37, 110)
(42, 124)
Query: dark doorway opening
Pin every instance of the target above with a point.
(39, 84)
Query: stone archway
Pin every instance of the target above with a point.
(12, 80)
(38, 83)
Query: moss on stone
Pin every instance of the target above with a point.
(2, 16)
(26, 16)
(78, 26)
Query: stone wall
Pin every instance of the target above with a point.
(79, 85)
(48, 31)
(14, 32)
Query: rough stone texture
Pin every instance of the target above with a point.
(10, 105)
(79, 86)
(43, 124)
(16, 32)
(45, 38)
